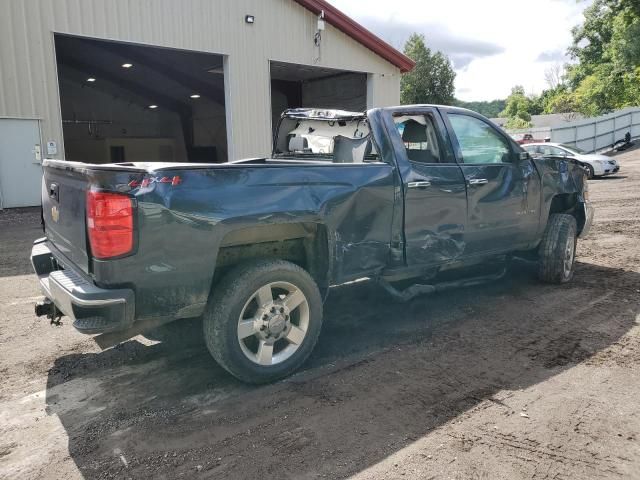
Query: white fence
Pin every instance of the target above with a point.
(598, 133)
(539, 133)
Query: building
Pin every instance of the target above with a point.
(161, 80)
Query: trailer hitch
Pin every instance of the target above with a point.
(48, 308)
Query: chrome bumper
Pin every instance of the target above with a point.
(92, 309)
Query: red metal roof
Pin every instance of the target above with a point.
(356, 31)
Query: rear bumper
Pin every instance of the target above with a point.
(92, 309)
(588, 219)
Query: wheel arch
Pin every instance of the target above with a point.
(570, 204)
(304, 243)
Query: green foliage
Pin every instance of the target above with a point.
(536, 105)
(517, 122)
(489, 109)
(607, 50)
(590, 40)
(631, 87)
(431, 80)
(517, 109)
(624, 48)
(559, 100)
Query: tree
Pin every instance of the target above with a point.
(631, 83)
(560, 100)
(590, 38)
(517, 109)
(554, 76)
(517, 123)
(489, 109)
(607, 52)
(536, 105)
(431, 80)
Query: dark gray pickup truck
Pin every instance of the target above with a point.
(252, 246)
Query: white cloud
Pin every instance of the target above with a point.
(494, 44)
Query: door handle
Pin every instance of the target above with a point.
(478, 181)
(54, 191)
(421, 184)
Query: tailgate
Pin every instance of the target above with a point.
(63, 208)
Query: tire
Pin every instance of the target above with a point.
(590, 172)
(557, 251)
(179, 333)
(249, 327)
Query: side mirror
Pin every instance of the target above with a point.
(524, 156)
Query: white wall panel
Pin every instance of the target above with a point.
(283, 32)
(596, 133)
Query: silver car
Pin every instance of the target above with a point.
(595, 164)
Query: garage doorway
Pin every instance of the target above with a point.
(122, 102)
(296, 86)
(20, 163)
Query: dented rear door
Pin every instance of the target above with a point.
(435, 209)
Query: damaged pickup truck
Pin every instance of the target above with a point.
(404, 196)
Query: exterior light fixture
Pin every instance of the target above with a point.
(195, 95)
(127, 65)
(250, 19)
(152, 107)
(91, 79)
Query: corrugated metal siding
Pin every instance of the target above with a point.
(283, 31)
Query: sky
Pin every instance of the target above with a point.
(493, 44)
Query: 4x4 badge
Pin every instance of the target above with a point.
(145, 182)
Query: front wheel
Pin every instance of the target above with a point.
(557, 251)
(590, 172)
(263, 320)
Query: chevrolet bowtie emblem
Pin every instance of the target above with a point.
(55, 213)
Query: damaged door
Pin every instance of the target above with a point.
(434, 190)
(500, 216)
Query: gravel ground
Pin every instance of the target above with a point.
(508, 380)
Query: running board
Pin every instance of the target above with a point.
(417, 289)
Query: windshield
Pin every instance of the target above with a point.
(573, 149)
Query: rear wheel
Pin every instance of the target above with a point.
(263, 320)
(557, 251)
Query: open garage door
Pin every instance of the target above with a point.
(295, 86)
(131, 103)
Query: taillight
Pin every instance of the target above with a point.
(110, 224)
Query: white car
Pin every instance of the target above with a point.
(596, 165)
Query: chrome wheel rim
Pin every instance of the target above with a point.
(568, 258)
(273, 323)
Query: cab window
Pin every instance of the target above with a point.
(421, 138)
(479, 142)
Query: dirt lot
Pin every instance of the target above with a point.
(509, 380)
